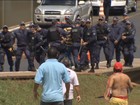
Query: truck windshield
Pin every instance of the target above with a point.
(59, 2)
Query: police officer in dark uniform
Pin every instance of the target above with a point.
(88, 44)
(1, 53)
(128, 44)
(115, 37)
(22, 46)
(7, 45)
(107, 5)
(35, 41)
(76, 35)
(102, 30)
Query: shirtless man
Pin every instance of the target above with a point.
(118, 86)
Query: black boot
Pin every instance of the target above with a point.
(97, 66)
(108, 65)
(92, 69)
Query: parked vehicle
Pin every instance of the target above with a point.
(59, 9)
(123, 6)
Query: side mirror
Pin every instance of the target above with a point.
(81, 2)
(39, 1)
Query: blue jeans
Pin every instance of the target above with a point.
(52, 103)
(67, 102)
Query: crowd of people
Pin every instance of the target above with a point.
(73, 41)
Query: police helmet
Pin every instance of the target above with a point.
(5, 27)
(22, 23)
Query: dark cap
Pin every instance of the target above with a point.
(5, 26)
(83, 20)
(88, 21)
(118, 66)
(31, 24)
(128, 22)
(125, 14)
(22, 23)
(115, 18)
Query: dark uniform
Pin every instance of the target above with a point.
(76, 35)
(89, 44)
(102, 30)
(1, 53)
(115, 37)
(107, 5)
(128, 44)
(7, 45)
(22, 46)
(35, 41)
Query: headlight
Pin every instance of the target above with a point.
(69, 12)
(38, 11)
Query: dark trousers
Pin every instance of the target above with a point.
(106, 12)
(67, 102)
(9, 58)
(1, 59)
(19, 53)
(52, 103)
(106, 48)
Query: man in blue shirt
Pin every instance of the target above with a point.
(50, 75)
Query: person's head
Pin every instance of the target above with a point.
(118, 67)
(31, 25)
(83, 22)
(115, 20)
(77, 23)
(88, 23)
(66, 62)
(128, 24)
(52, 53)
(5, 28)
(22, 25)
(101, 20)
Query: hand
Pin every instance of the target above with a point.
(105, 37)
(106, 98)
(78, 98)
(116, 42)
(123, 37)
(84, 43)
(67, 95)
(36, 95)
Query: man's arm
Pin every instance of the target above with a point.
(107, 94)
(35, 90)
(67, 90)
(77, 89)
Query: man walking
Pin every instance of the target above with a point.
(118, 87)
(50, 75)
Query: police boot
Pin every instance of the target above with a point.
(108, 65)
(92, 68)
(97, 66)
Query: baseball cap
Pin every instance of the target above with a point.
(118, 66)
(115, 18)
(88, 21)
(5, 26)
(128, 22)
(22, 23)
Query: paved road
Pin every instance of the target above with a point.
(134, 16)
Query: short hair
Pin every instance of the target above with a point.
(52, 52)
(66, 62)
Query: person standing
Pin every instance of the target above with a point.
(118, 86)
(74, 83)
(21, 35)
(50, 75)
(128, 41)
(107, 5)
(7, 45)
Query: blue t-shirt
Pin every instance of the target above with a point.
(50, 75)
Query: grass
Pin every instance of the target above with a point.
(19, 92)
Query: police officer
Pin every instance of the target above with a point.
(102, 30)
(35, 41)
(106, 4)
(7, 45)
(128, 44)
(76, 35)
(41, 52)
(1, 53)
(88, 44)
(22, 46)
(56, 38)
(115, 37)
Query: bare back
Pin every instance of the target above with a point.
(121, 84)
